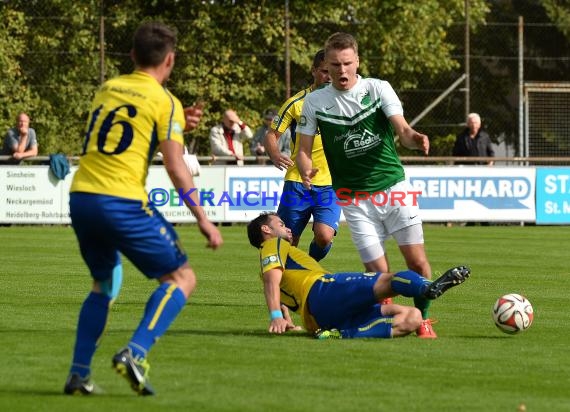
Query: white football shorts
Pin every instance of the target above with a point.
(393, 212)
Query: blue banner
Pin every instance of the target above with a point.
(553, 195)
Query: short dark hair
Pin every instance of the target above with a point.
(341, 41)
(269, 114)
(319, 58)
(152, 41)
(254, 228)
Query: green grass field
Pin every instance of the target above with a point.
(217, 356)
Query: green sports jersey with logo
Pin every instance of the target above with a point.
(356, 132)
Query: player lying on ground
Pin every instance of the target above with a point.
(337, 305)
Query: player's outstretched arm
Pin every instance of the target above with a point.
(279, 160)
(184, 183)
(305, 159)
(409, 137)
(271, 280)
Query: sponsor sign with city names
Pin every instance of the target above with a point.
(31, 194)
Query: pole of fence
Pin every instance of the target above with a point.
(467, 62)
(437, 100)
(521, 152)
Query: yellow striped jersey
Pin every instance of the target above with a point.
(300, 272)
(130, 115)
(288, 117)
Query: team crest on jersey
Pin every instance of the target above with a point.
(365, 99)
(276, 120)
(357, 142)
(302, 121)
(269, 259)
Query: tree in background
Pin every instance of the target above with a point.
(559, 12)
(231, 53)
(16, 95)
(494, 83)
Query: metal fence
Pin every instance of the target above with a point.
(498, 68)
(547, 115)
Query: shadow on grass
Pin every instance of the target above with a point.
(222, 304)
(114, 331)
(239, 332)
(194, 303)
(483, 337)
(60, 394)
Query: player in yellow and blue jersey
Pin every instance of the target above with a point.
(336, 305)
(131, 116)
(297, 204)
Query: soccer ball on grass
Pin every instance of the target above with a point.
(513, 313)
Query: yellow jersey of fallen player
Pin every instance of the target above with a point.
(288, 117)
(130, 116)
(300, 272)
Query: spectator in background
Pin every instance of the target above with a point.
(20, 141)
(257, 143)
(256, 147)
(473, 141)
(226, 138)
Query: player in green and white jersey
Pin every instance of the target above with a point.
(357, 118)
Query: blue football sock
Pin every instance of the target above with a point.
(409, 283)
(161, 309)
(376, 328)
(317, 252)
(90, 327)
